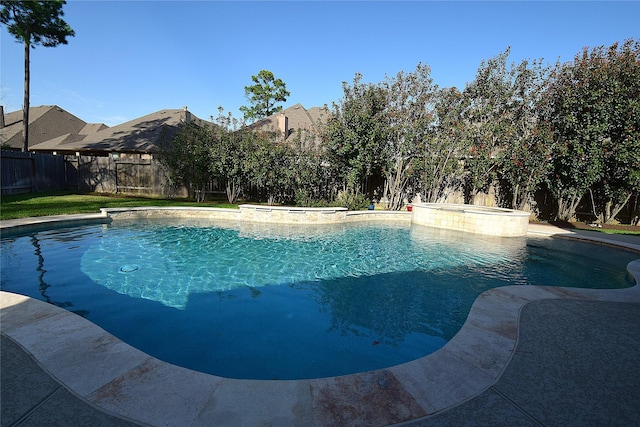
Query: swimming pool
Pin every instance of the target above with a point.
(266, 302)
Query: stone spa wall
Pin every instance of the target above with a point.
(472, 219)
(468, 218)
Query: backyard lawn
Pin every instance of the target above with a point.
(40, 204)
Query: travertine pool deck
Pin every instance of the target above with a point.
(525, 356)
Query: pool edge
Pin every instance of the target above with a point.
(138, 387)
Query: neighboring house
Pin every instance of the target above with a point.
(55, 131)
(295, 121)
(45, 123)
(138, 138)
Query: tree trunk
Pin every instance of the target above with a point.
(525, 200)
(233, 191)
(25, 105)
(396, 184)
(202, 195)
(567, 208)
(611, 210)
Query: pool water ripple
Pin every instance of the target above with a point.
(263, 302)
(178, 261)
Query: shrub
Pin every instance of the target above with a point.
(304, 199)
(352, 201)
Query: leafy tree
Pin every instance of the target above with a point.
(263, 95)
(524, 161)
(487, 101)
(187, 158)
(355, 134)
(311, 174)
(33, 23)
(229, 154)
(593, 106)
(271, 169)
(409, 117)
(621, 158)
(576, 165)
(444, 149)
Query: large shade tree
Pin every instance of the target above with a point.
(444, 149)
(524, 160)
(409, 115)
(354, 135)
(33, 23)
(487, 100)
(594, 110)
(187, 159)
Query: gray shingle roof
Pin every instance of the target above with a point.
(54, 129)
(45, 122)
(92, 128)
(141, 135)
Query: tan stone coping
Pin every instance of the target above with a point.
(485, 210)
(629, 242)
(122, 380)
(24, 224)
(295, 209)
(316, 216)
(171, 212)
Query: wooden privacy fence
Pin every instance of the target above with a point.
(28, 172)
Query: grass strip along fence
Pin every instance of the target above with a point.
(41, 204)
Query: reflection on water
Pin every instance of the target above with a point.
(393, 306)
(485, 249)
(13, 251)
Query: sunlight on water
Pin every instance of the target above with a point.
(168, 263)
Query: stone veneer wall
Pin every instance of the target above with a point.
(468, 218)
(472, 219)
(260, 214)
(291, 215)
(386, 216)
(171, 212)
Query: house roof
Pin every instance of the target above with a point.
(92, 128)
(45, 122)
(141, 135)
(54, 129)
(298, 118)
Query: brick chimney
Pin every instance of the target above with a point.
(1, 116)
(283, 124)
(187, 115)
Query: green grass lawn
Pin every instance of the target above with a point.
(636, 233)
(604, 228)
(41, 204)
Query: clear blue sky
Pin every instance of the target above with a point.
(132, 58)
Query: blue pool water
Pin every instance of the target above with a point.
(267, 302)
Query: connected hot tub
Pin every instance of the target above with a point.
(472, 219)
